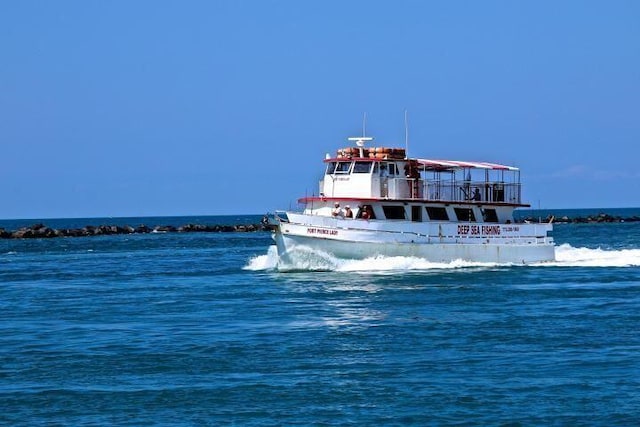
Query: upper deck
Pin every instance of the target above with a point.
(386, 173)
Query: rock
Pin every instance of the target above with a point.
(22, 233)
(142, 229)
(190, 228)
(45, 232)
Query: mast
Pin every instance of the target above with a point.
(406, 134)
(364, 124)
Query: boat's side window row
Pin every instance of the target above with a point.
(439, 213)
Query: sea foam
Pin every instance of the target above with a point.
(568, 256)
(307, 259)
(263, 262)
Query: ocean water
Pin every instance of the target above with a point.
(201, 329)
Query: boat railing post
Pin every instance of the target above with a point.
(391, 187)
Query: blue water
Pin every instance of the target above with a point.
(200, 329)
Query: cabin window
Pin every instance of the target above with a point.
(362, 167)
(393, 212)
(490, 215)
(416, 213)
(437, 214)
(465, 214)
(331, 167)
(343, 167)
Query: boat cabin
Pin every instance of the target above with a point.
(396, 187)
(391, 177)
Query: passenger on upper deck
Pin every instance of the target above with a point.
(476, 195)
(413, 176)
(411, 171)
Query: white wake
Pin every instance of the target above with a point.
(568, 256)
(306, 259)
(263, 262)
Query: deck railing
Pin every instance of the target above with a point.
(440, 190)
(456, 191)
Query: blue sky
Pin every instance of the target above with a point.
(136, 108)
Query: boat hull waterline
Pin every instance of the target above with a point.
(345, 239)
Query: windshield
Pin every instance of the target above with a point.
(343, 167)
(362, 167)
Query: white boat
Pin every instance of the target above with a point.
(437, 210)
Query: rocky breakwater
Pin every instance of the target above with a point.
(600, 218)
(40, 231)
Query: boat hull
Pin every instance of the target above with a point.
(352, 239)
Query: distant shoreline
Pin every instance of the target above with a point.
(589, 219)
(40, 230)
(231, 219)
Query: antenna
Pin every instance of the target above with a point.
(539, 212)
(364, 124)
(406, 133)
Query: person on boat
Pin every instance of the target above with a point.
(476, 195)
(366, 212)
(412, 174)
(337, 212)
(348, 213)
(370, 212)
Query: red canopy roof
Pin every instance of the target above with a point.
(457, 164)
